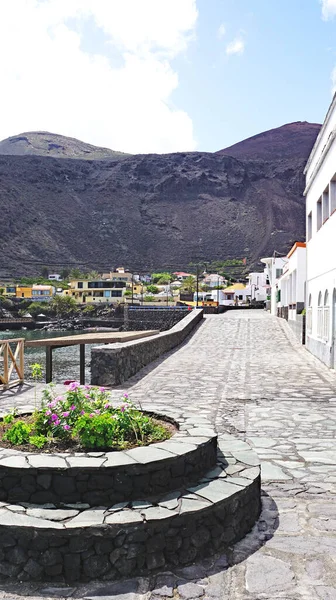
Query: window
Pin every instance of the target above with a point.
(325, 204)
(319, 214)
(319, 316)
(80, 284)
(309, 226)
(309, 315)
(326, 316)
(107, 294)
(332, 194)
(106, 284)
(116, 293)
(278, 273)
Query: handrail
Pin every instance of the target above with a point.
(12, 360)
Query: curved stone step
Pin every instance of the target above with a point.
(77, 542)
(105, 478)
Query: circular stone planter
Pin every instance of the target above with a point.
(73, 541)
(105, 478)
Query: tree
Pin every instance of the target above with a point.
(152, 289)
(45, 272)
(162, 278)
(64, 305)
(189, 285)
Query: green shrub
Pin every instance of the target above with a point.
(18, 433)
(38, 440)
(96, 431)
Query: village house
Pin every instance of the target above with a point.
(214, 280)
(320, 195)
(257, 286)
(236, 294)
(35, 292)
(274, 268)
(291, 286)
(95, 291)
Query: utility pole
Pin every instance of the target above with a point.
(132, 292)
(197, 286)
(217, 292)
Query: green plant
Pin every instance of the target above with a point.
(96, 430)
(18, 433)
(149, 299)
(152, 289)
(36, 371)
(89, 308)
(38, 440)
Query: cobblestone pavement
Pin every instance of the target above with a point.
(249, 375)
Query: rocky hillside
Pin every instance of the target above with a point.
(154, 211)
(42, 143)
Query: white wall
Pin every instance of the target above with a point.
(321, 247)
(292, 283)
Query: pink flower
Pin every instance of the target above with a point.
(102, 389)
(48, 412)
(66, 414)
(87, 396)
(125, 395)
(56, 422)
(59, 399)
(91, 415)
(97, 411)
(107, 406)
(74, 385)
(82, 412)
(52, 404)
(72, 407)
(122, 409)
(54, 417)
(66, 427)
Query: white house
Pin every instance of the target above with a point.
(257, 285)
(214, 280)
(274, 267)
(320, 195)
(292, 285)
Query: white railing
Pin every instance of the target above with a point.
(326, 322)
(320, 322)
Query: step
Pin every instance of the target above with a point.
(76, 542)
(106, 478)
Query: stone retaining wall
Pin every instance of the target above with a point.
(139, 319)
(131, 538)
(103, 479)
(112, 364)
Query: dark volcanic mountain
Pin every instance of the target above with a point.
(154, 211)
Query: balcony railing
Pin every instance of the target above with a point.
(11, 363)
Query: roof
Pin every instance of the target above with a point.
(182, 273)
(234, 288)
(295, 247)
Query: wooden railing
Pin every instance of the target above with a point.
(11, 363)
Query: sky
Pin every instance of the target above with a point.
(164, 75)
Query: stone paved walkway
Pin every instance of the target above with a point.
(246, 371)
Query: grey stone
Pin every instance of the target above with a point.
(188, 591)
(17, 461)
(17, 555)
(124, 517)
(155, 560)
(51, 515)
(147, 454)
(96, 566)
(63, 592)
(85, 461)
(156, 513)
(33, 568)
(215, 491)
(266, 574)
(44, 480)
(94, 516)
(46, 461)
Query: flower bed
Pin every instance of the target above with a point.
(83, 418)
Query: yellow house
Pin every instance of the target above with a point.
(35, 292)
(95, 291)
(9, 289)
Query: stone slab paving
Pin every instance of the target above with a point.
(246, 373)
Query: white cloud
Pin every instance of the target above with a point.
(237, 46)
(328, 8)
(221, 31)
(50, 81)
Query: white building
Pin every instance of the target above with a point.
(320, 195)
(292, 287)
(274, 267)
(214, 280)
(257, 285)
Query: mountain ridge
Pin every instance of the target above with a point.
(152, 211)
